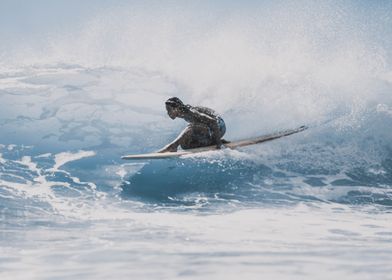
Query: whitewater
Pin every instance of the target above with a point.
(76, 96)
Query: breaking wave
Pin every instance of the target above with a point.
(100, 89)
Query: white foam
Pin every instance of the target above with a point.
(384, 108)
(2, 160)
(26, 160)
(63, 158)
(46, 155)
(11, 147)
(40, 189)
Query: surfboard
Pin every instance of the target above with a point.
(231, 145)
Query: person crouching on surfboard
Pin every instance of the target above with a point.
(205, 127)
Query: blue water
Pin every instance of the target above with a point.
(75, 97)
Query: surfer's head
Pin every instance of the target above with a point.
(174, 107)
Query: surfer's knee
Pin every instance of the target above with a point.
(190, 138)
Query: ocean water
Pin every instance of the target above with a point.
(81, 87)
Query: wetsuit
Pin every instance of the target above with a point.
(205, 127)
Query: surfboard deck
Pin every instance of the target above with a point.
(231, 145)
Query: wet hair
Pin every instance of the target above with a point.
(174, 102)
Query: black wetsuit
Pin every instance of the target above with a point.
(205, 125)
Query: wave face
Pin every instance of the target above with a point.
(76, 98)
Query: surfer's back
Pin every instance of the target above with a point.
(195, 111)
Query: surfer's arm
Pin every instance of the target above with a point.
(168, 148)
(172, 147)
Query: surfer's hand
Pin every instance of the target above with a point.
(164, 150)
(168, 148)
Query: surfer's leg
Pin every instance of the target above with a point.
(196, 136)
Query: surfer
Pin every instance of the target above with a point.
(205, 127)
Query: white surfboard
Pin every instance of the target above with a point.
(231, 145)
